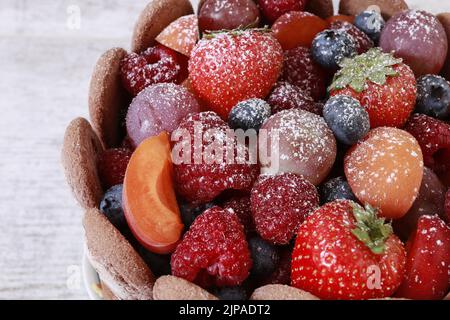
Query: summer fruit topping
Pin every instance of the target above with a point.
(214, 251)
(249, 114)
(447, 206)
(341, 17)
(157, 64)
(385, 170)
(181, 35)
(430, 201)
(280, 203)
(428, 261)
(158, 108)
(229, 67)
(231, 293)
(159, 264)
(228, 15)
(433, 96)
(286, 96)
(265, 257)
(300, 142)
(189, 212)
(149, 200)
(362, 41)
(301, 70)
(434, 138)
(201, 174)
(344, 251)
(371, 23)
(111, 166)
(347, 118)
(330, 47)
(412, 35)
(273, 9)
(111, 206)
(295, 29)
(336, 189)
(242, 208)
(383, 85)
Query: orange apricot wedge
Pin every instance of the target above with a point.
(181, 35)
(149, 199)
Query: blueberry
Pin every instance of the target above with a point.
(249, 114)
(371, 23)
(433, 96)
(264, 255)
(330, 47)
(231, 293)
(335, 189)
(111, 206)
(159, 264)
(348, 120)
(190, 212)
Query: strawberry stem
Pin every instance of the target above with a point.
(370, 229)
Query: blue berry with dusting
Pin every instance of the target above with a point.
(265, 257)
(336, 189)
(159, 264)
(111, 206)
(189, 212)
(330, 47)
(433, 96)
(231, 293)
(249, 114)
(348, 120)
(371, 23)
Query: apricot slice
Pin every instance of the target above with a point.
(296, 29)
(385, 170)
(149, 200)
(181, 35)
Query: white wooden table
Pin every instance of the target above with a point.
(45, 65)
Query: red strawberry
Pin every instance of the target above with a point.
(428, 261)
(433, 136)
(112, 164)
(229, 67)
(214, 251)
(343, 251)
(384, 85)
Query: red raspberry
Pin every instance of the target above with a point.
(202, 182)
(287, 96)
(434, 138)
(301, 70)
(242, 208)
(112, 164)
(155, 65)
(273, 9)
(362, 40)
(214, 251)
(280, 204)
(447, 206)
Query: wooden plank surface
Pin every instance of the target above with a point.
(45, 66)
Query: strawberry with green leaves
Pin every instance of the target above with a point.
(345, 251)
(384, 85)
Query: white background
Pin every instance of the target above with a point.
(44, 76)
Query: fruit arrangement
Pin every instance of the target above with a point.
(269, 150)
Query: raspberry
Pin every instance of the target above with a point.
(112, 164)
(447, 206)
(280, 204)
(434, 138)
(301, 70)
(201, 182)
(242, 208)
(155, 65)
(287, 96)
(214, 251)
(362, 41)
